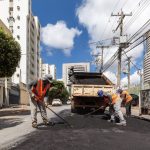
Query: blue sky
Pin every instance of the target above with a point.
(69, 25)
(51, 11)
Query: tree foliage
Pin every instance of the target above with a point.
(9, 54)
(58, 91)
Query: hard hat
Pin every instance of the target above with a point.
(100, 93)
(119, 90)
(48, 77)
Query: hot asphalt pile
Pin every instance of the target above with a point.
(88, 133)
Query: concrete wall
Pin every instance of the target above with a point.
(24, 96)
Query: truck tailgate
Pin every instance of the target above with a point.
(90, 90)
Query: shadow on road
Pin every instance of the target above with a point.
(9, 122)
(14, 112)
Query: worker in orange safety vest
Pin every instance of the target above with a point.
(115, 104)
(38, 95)
(127, 100)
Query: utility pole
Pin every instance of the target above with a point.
(128, 71)
(102, 56)
(121, 45)
(129, 60)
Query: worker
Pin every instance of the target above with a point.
(38, 96)
(115, 107)
(127, 100)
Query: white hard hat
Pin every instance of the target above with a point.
(48, 77)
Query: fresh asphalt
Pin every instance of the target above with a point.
(87, 133)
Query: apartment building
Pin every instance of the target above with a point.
(49, 69)
(17, 16)
(146, 69)
(78, 67)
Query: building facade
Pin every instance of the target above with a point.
(146, 69)
(78, 67)
(49, 69)
(40, 67)
(17, 16)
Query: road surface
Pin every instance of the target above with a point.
(87, 133)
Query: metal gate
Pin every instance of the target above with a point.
(14, 95)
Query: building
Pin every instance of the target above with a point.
(78, 67)
(17, 16)
(40, 67)
(49, 69)
(146, 69)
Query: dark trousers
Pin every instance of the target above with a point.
(128, 108)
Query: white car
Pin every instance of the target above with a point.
(56, 102)
(68, 102)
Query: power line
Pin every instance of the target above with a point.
(126, 52)
(137, 14)
(109, 18)
(139, 31)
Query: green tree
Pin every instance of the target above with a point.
(58, 91)
(9, 58)
(9, 54)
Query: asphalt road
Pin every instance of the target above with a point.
(88, 133)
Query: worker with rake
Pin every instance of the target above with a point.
(115, 107)
(38, 96)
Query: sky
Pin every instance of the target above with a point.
(69, 27)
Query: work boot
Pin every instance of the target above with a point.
(110, 120)
(34, 124)
(47, 123)
(122, 123)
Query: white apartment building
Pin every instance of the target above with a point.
(146, 69)
(17, 16)
(40, 67)
(78, 67)
(49, 69)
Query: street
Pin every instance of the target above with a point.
(87, 133)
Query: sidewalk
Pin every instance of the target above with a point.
(136, 113)
(15, 124)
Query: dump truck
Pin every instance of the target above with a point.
(84, 90)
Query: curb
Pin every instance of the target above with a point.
(142, 118)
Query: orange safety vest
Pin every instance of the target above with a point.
(40, 91)
(128, 97)
(115, 98)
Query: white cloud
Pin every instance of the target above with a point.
(94, 15)
(59, 36)
(111, 76)
(49, 51)
(134, 79)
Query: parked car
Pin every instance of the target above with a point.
(68, 102)
(135, 99)
(56, 102)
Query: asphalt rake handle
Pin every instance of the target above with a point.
(86, 115)
(59, 116)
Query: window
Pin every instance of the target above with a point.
(11, 29)
(18, 27)
(32, 26)
(10, 8)
(11, 0)
(18, 37)
(18, 75)
(18, 7)
(18, 17)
